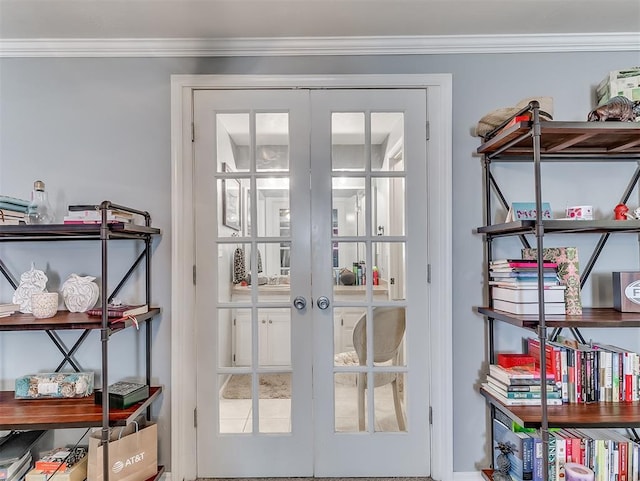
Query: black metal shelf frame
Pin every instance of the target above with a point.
(522, 143)
(104, 232)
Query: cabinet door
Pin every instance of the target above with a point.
(274, 331)
(278, 339)
(345, 320)
(242, 337)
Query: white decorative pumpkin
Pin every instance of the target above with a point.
(80, 293)
(31, 282)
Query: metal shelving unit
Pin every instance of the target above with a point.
(537, 141)
(71, 413)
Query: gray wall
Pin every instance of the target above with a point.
(96, 129)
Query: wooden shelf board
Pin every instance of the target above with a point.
(593, 415)
(591, 317)
(563, 226)
(572, 139)
(70, 231)
(158, 475)
(64, 413)
(66, 320)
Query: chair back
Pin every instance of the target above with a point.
(388, 331)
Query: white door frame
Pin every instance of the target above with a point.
(439, 290)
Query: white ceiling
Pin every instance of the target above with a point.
(180, 19)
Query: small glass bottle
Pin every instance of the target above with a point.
(39, 210)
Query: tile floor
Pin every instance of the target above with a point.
(275, 414)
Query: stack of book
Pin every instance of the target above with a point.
(514, 287)
(91, 214)
(61, 464)
(16, 453)
(7, 309)
(13, 211)
(520, 385)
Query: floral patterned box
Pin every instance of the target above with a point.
(568, 272)
(54, 385)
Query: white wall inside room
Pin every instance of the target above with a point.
(96, 129)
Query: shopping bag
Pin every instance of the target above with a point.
(133, 453)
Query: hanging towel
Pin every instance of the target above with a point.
(239, 272)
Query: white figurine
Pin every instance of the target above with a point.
(31, 282)
(80, 293)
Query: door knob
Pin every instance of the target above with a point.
(299, 303)
(323, 302)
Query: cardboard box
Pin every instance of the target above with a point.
(617, 81)
(626, 291)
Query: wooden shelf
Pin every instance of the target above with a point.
(563, 226)
(593, 415)
(64, 413)
(64, 320)
(591, 317)
(566, 141)
(116, 230)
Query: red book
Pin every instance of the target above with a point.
(522, 263)
(553, 360)
(511, 359)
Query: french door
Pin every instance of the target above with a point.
(310, 242)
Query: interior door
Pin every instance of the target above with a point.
(300, 201)
(368, 151)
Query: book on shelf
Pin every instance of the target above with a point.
(518, 402)
(59, 458)
(549, 274)
(517, 374)
(9, 307)
(120, 311)
(11, 471)
(552, 358)
(15, 444)
(124, 394)
(509, 359)
(13, 203)
(511, 387)
(528, 308)
(527, 211)
(507, 393)
(523, 282)
(11, 221)
(520, 263)
(519, 293)
(18, 214)
(75, 472)
(521, 459)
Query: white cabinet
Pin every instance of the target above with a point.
(274, 337)
(274, 329)
(345, 319)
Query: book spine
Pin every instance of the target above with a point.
(552, 458)
(527, 457)
(537, 460)
(533, 347)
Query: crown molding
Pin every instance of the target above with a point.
(308, 46)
